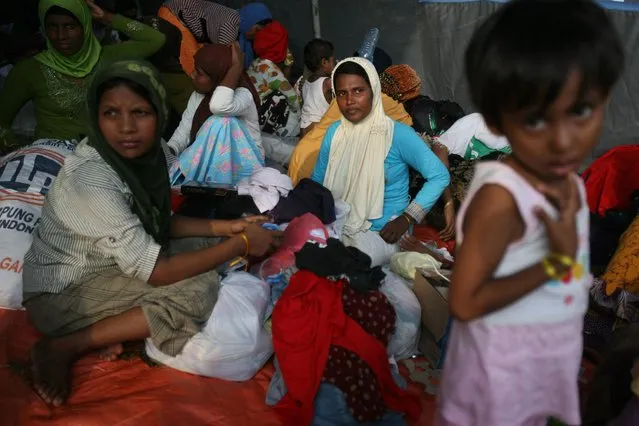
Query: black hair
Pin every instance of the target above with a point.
(522, 55)
(351, 68)
(315, 51)
(136, 88)
(57, 10)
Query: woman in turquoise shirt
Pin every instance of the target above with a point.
(364, 160)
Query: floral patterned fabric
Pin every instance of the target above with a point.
(282, 117)
(623, 270)
(346, 370)
(223, 152)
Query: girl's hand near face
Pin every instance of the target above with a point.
(237, 56)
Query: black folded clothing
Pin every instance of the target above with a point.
(307, 197)
(336, 260)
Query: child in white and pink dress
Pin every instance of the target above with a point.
(541, 72)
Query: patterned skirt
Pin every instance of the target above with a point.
(223, 152)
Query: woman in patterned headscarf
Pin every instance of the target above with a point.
(56, 78)
(109, 263)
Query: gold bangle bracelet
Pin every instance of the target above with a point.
(246, 242)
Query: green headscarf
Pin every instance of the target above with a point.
(81, 63)
(147, 176)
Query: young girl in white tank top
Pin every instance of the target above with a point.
(540, 71)
(315, 102)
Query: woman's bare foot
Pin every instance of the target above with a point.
(51, 365)
(111, 353)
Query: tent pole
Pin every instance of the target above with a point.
(316, 19)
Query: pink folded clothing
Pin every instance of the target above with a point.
(300, 231)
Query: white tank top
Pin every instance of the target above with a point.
(555, 301)
(315, 104)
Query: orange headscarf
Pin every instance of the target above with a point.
(401, 82)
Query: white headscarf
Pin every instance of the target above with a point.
(355, 171)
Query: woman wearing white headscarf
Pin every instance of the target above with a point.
(364, 160)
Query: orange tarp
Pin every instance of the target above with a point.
(130, 393)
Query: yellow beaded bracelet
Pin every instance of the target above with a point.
(566, 261)
(550, 269)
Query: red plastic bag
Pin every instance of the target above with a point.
(426, 233)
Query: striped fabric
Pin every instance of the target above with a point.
(87, 227)
(209, 22)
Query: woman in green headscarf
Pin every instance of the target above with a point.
(109, 263)
(55, 79)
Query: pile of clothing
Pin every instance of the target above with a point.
(331, 329)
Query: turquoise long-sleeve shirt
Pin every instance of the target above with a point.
(407, 150)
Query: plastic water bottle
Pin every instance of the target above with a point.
(367, 49)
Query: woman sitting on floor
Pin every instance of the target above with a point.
(109, 264)
(56, 78)
(280, 107)
(218, 139)
(364, 160)
(305, 154)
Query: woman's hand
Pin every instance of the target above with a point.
(393, 231)
(562, 232)
(98, 14)
(448, 233)
(410, 243)
(260, 240)
(237, 56)
(238, 226)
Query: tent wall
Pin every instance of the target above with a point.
(447, 28)
(433, 37)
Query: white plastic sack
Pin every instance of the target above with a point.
(25, 177)
(233, 344)
(279, 149)
(458, 138)
(373, 245)
(406, 263)
(409, 315)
